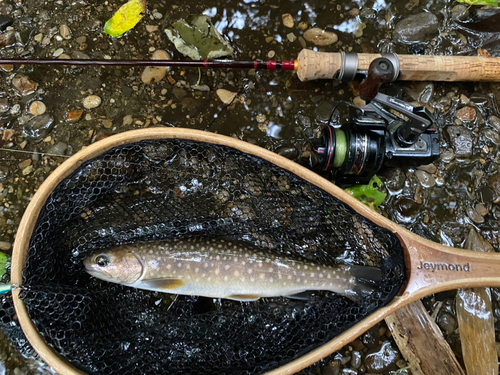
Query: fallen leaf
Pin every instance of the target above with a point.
(493, 3)
(368, 194)
(125, 18)
(488, 25)
(198, 38)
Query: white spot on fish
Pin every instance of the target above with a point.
(306, 267)
(153, 264)
(225, 278)
(188, 266)
(289, 277)
(243, 263)
(250, 271)
(261, 276)
(197, 269)
(227, 266)
(179, 264)
(217, 257)
(205, 265)
(236, 273)
(217, 271)
(271, 280)
(321, 275)
(312, 274)
(169, 266)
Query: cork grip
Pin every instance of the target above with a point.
(325, 65)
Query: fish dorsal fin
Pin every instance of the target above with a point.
(244, 297)
(163, 284)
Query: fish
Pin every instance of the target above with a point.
(217, 268)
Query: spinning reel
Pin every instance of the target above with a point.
(374, 136)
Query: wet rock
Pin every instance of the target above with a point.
(291, 37)
(4, 245)
(155, 73)
(460, 12)
(7, 39)
(466, 114)
(4, 105)
(65, 31)
(333, 368)
(448, 155)
(5, 21)
(406, 207)
(38, 128)
(421, 92)
(58, 52)
(426, 180)
(226, 96)
(429, 168)
(495, 122)
(92, 101)
(320, 37)
(37, 108)
(416, 28)
(287, 20)
(356, 359)
(492, 135)
(23, 85)
(461, 140)
(74, 116)
(323, 111)
(474, 215)
(288, 152)
(481, 209)
(494, 183)
(487, 194)
(179, 93)
(59, 148)
(127, 120)
(447, 322)
(380, 359)
(395, 179)
(4, 174)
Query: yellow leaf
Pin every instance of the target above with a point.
(126, 18)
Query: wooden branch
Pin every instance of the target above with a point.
(421, 342)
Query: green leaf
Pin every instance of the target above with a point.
(198, 39)
(4, 263)
(125, 18)
(368, 194)
(493, 3)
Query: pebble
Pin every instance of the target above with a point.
(474, 215)
(24, 85)
(426, 180)
(7, 39)
(416, 28)
(38, 128)
(15, 109)
(25, 164)
(155, 73)
(27, 170)
(226, 96)
(4, 105)
(65, 31)
(320, 37)
(81, 39)
(487, 194)
(202, 88)
(406, 206)
(447, 156)
(58, 52)
(39, 37)
(74, 116)
(481, 209)
(37, 108)
(288, 152)
(4, 174)
(287, 20)
(92, 101)
(356, 359)
(378, 360)
(495, 122)
(461, 140)
(466, 114)
(271, 54)
(59, 148)
(107, 123)
(151, 28)
(429, 168)
(127, 120)
(492, 135)
(291, 37)
(494, 183)
(447, 322)
(303, 26)
(4, 245)
(157, 15)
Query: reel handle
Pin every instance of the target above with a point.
(380, 71)
(327, 65)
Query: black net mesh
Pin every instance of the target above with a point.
(155, 190)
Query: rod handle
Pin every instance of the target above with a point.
(380, 71)
(325, 65)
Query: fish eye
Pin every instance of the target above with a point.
(102, 260)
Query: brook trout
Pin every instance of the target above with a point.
(222, 269)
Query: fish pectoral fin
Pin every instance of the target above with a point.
(243, 297)
(164, 284)
(304, 296)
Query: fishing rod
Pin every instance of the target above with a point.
(311, 65)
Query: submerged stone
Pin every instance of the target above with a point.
(38, 128)
(415, 28)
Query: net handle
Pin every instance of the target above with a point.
(421, 282)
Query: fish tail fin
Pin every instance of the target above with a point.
(366, 282)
